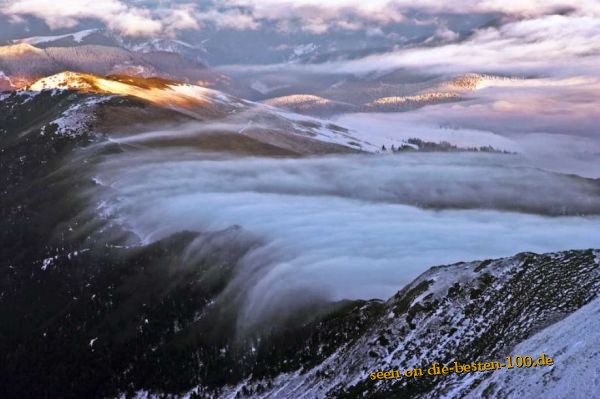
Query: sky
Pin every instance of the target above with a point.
(150, 17)
(533, 36)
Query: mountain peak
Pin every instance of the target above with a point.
(183, 97)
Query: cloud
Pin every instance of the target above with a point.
(344, 227)
(228, 19)
(551, 121)
(319, 17)
(548, 45)
(545, 44)
(117, 15)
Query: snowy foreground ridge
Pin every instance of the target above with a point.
(477, 311)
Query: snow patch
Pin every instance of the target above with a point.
(36, 40)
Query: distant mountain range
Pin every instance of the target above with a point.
(388, 93)
(23, 63)
(105, 38)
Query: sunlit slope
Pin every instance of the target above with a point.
(23, 63)
(158, 91)
(157, 111)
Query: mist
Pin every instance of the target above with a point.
(345, 227)
(552, 122)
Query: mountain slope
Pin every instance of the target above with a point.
(311, 105)
(393, 92)
(468, 312)
(88, 36)
(24, 63)
(574, 342)
(208, 119)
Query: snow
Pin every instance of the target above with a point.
(573, 344)
(395, 128)
(64, 80)
(46, 263)
(77, 37)
(199, 92)
(323, 133)
(263, 88)
(76, 120)
(169, 45)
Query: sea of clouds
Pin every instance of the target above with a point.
(346, 227)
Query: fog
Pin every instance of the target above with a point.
(553, 122)
(346, 227)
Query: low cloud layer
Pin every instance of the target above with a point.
(548, 45)
(551, 121)
(346, 227)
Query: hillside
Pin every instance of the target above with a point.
(25, 63)
(310, 104)
(468, 312)
(80, 296)
(158, 104)
(393, 92)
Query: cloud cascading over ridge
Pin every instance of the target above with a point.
(375, 222)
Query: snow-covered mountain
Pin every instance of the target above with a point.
(76, 38)
(24, 63)
(235, 124)
(574, 341)
(189, 51)
(103, 37)
(310, 104)
(393, 92)
(468, 312)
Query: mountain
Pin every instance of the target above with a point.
(23, 63)
(310, 104)
(467, 312)
(403, 103)
(574, 341)
(90, 311)
(393, 92)
(103, 37)
(186, 50)
(84, 37)
(88, 317)
(228, 123)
